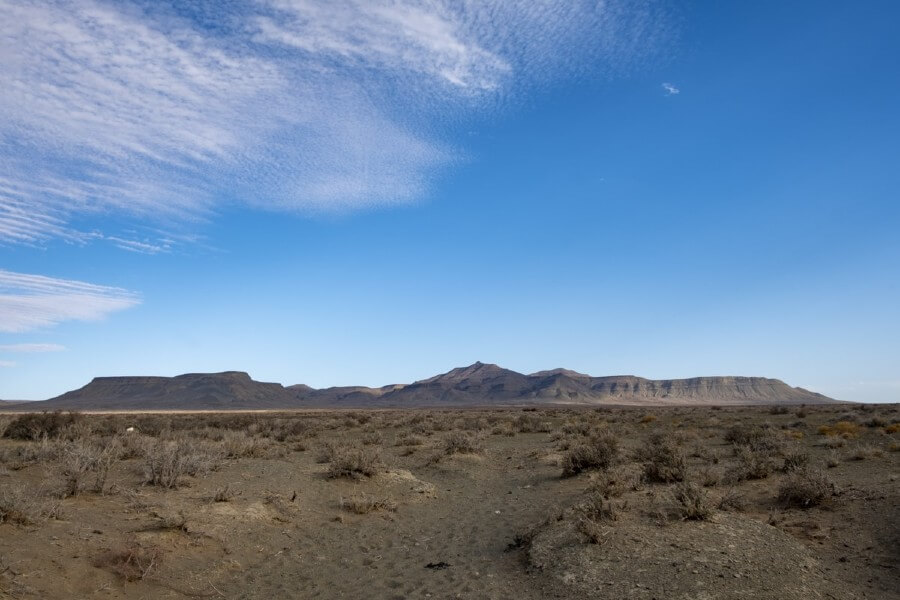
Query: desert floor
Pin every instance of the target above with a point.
(665, 503)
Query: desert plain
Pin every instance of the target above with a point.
(517, 502)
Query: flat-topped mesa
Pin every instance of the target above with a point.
(234, 390)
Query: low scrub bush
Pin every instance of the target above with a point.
(532, 423)
(458, 442)
(600, 451)
(34, 426)
(354, 462)
(847, 430)
(751, 464)
(794, 460)
(612, 483)
(805, 488)
(692, 502)
(410, 439)
(362, 504)
(731, 500)
(664, 461)
(167, 461)
(759, 438)
(593, 517)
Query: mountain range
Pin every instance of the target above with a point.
(478, 384)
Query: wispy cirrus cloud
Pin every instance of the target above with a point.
(171, 111)
(7, 363)
(30, 348)
(670, 90)
(29, 302)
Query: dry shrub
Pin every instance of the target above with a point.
(664, 461)
(710, 477)
(892, 428)
(647, 419)
(847, 430)
(166, 461)
(598, 508)
(132, 560)
(459, 442)
(362, 504)
(80, 459)
(238, 444)
(862, 452)
(732, 499)
(16, 506)
(759, 438)
(612, 483)
(751, 464)
(372, 438)
(594, 531)
(835, 442)
(224, 494)
(326, 451)
(504, 429)
(600, 451)
(34, 426)
(532, 423)
(805, 488)
(692, 502)
(44, 450)
(706, 453)
(592, 514)
(410, 439)
(576, 428)
(794, 460)
(354, 462)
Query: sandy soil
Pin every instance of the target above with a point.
(500, 522)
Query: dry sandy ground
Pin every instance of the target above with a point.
(500, 522)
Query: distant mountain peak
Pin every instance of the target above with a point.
(566, 372)
(477, 370)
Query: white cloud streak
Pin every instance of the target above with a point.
(136, 111)
(29, 302)
(7, 363)
(30, 348)
(670, 90)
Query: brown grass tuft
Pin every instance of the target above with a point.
(131, 560)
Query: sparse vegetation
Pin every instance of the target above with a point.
(164, 498)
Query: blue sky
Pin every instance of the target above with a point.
(366, 193)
